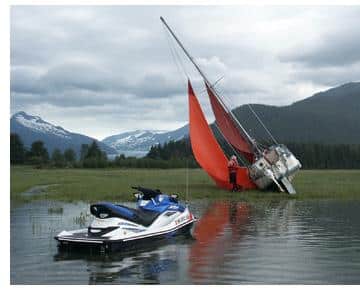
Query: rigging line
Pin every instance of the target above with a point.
(262, 124)
(175, 54)
(233, 149)
(180, 67)
(187, 180)
(256, 116)
(249, 139)
(180, 60)
(228, 100)
(263, 146)
(213, 85)
(180, 71)
(229, 144)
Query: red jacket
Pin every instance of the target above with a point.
(233, 165)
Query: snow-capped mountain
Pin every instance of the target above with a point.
(36, 124)
(139, 142)
(33, 128)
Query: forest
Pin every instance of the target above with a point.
(174, 154)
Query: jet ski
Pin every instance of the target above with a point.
(115, 226)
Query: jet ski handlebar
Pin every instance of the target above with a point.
(148, 193)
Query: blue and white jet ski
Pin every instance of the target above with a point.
(157, 215)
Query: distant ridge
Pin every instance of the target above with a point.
(31, 128)
(330, 117)
(139, 142)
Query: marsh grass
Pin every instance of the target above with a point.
(82, 219)
(115, 184)
(56, 210)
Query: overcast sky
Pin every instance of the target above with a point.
(104, 70)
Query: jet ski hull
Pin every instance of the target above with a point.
(81, 239)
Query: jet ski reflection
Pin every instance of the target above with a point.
(150, 263)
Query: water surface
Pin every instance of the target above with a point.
(296, 242)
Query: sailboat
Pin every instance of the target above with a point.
(264, 167)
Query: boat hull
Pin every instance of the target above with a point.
(83, 241)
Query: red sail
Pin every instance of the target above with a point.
(228, 127)
(207, 151)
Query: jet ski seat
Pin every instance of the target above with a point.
(104, 210)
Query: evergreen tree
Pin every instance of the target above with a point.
(84, 151)
(93, 151)
(70, 157)
(172, 150)
(17, 149)
(57, 158)
(95, 158)
(38, 153)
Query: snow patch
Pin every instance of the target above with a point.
(36, 124)
(142, 140)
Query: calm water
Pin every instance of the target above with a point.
(302, 242)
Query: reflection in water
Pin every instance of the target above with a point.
(82, 219)
(212, 240)
(290, 241)
(145, 263)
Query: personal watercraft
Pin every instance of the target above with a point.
(115, 226)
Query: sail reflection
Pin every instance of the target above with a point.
(221, 225)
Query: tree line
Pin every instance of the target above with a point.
(174, 154)
(311, 155)
(90, 155)
(327, 156)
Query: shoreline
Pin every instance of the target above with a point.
(115, 184)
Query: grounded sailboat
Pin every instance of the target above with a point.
(264, 166)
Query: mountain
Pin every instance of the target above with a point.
(138, 143)
(32, 128)
(330, 117)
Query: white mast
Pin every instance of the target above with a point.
(249, 139)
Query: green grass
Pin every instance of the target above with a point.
(114, 184)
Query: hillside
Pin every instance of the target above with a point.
(330, 117)
(139, 142)
(32, 128)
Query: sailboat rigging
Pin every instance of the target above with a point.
(274, 165)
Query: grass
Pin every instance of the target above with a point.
(55, 210)
(114, 184)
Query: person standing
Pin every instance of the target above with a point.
(233, 166)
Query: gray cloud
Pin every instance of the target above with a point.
(101, 70)
(335, 44)
(335, 49)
